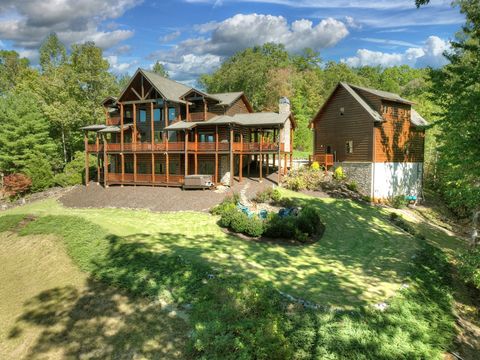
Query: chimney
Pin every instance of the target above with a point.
(284, 106)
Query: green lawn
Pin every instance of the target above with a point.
(184, 260)
(360, 259)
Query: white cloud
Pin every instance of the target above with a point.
(430, 54)
(27, 22)
(117, 66)
(195, 56)
(169, 37)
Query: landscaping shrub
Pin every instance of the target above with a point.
(469, 267)
(227, 212)
(295, 183)
(268, 195)
(308, 221)
(339, 174)
(398, 201)
(315, 166)
(304, 178)
(16, 184)
(352, 186)
(39, 170)
(73, 173)
(280, 227)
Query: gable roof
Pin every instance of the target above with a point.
(170, 89)
(228, 98)
(417, 119)
(383, 94)
(372, 112)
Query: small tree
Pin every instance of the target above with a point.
(39, 169)
(16, 184)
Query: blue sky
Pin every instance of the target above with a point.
(193, 36)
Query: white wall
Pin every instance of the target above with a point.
(391, 179)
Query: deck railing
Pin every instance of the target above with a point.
(192, 146)
(323, 159)
(145, 178)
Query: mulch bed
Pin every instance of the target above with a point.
(159, 199)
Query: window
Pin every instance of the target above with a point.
(157, 115)
(172, 167)
(159, 167)
(349, 147)
(395, 112)
(142, 168)
(127, 137)
(206, 137)
(129, 167)
(157, 136)
(143, 115)
(342, 110)
(206, 167)
(172, 114)
(172, 136)
(384, 109)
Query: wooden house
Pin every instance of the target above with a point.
(158, 131)
(376, 136)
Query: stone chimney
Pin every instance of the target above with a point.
(284, 106)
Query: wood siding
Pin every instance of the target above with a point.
(334, 130)
(396, 140)
(238, 107)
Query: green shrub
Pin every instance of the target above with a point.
(73, 173)
(253, 227)
(339, 174)
(308, 221)
(227, 214)
(39, 170)
(469, 267)
(268, 195)
(352, 186)
(398, 201)
(223, 207)
(295, 183)
(238, 221)
(315, 166)
(280, 227)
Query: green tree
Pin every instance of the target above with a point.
(24, 132)
(39, 169)
(12, 67)
(53, 53)
(159, 69)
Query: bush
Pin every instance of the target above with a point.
(315, 166)
(227, 213)
(253, 227)
(339, 174)
(73, 172)
(40, 172)
(308, 221)
(16, 184)
(278, 227)
(352, 186)
(398, 201)
(268, 195)
(469, 267)
(295, 183)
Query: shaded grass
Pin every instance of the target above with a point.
(9, 222)
(238, 317)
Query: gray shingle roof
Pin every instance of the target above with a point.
(417, 119)
(382, 94)
(181, 125)
(227, 98)
(373, 113)
(93, 127)
(172, 90)
(114, 128)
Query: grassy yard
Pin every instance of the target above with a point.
(184, 258)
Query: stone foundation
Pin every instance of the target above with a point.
(360, 173)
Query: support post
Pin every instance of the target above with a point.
(167, 167)
(195, 154)
(249, 161)
(134, 140)
(153, 168)
(261, 167)
(186, 152)
(204, 110)
(97, 141)
(285, 164)
(105, 162)
(135, 168)
(87, 165)
(240, 167)
(122, 155)
(279, 158)
(231, 156)
(216, 167)
(187, 107)
(268, 163)
(152, 128)
(121, 127)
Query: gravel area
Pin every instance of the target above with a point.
(157, 198)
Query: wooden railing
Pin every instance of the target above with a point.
(192, 146)
(145, 178)
(323, 159)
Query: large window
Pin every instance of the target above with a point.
(206, 137)
(173, 167)
(158, 136)
(159, 167)
(142, 167)
(142, 116)
(172, 114)
(157, 115)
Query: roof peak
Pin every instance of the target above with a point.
(380, 93)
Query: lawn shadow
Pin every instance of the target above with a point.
(99, 322)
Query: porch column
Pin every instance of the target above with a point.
(216, 154)
(122, 156)
(291, 148)
(121, 127)
(204, 109)
(87, 165)
(135, 167)
(134, 147)
(97, 142)
(231, 156)
(285, 164)
(153, 168)
(261, 166)
(167, 167)
(240, 167)
(195, 154)
(152, 128)
(187, 107)
(105, 162)
(279, 158)
(268, 163)
(186, 152)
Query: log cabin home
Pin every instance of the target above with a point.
(376, 136)
(158, 131)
